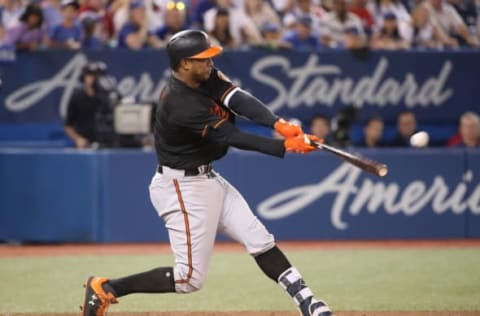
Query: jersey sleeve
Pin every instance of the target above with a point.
(218, 87)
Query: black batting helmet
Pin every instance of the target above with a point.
(190, 44)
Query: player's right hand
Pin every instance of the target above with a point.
(287, 129)
(301, 144)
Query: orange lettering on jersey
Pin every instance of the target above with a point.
(219, 111)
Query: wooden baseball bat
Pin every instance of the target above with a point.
(372, 166)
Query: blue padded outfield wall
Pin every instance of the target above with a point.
(66, 195)
(57, 194)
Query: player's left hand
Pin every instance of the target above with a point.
(302, 144)
(287, 129)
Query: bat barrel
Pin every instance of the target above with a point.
(369, 165)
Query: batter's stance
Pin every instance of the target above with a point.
(195, 125)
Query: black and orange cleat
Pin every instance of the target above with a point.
(96, 300)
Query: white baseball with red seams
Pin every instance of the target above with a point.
(419, 139)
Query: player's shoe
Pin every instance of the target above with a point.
(319, 308)
(96, 300)
(314, 307)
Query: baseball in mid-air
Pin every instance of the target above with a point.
(419, 139)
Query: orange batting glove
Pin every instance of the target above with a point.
(287, 129)
(302, 144)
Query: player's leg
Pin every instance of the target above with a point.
(238, 222)
(190, 208)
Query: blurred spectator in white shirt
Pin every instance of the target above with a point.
(175, 21)
(120, 10)
(241, 27)
(301, 9)
(283, 6)
(28, 34)
(449, 21)
(468, 131)
(424, 34)
(11, 11)
(221, 33)
(388, 37)
(342, 28)
(468, 11)
(261, 13)
(156, 10)
(93, 36)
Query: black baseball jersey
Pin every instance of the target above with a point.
(193, 127)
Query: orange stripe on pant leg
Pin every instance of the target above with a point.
(187, 230)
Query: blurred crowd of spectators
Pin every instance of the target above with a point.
(273, 24)
(467, 135)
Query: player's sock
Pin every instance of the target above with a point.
(159, 280)
(273, 263)
(292, 282)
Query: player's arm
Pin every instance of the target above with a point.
(245, 104)
(219, 87)
(225, 132)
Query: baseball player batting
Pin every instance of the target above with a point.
(194, 126)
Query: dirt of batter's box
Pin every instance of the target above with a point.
(262, 314)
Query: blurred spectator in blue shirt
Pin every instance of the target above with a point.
(52, 13)
(67, 34)
(134, 33)
(11, 10)
(272, 37)
(175, 21)
(91, 26)
(28, 33)
(198, 10)
(301, 38)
